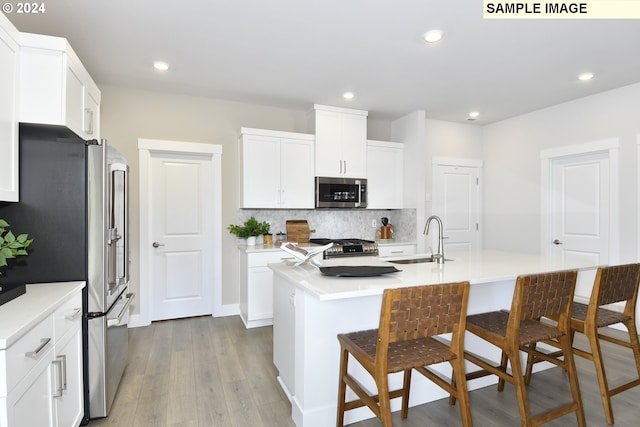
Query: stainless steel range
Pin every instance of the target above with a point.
(347, 247)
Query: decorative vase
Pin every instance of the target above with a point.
(251, 241)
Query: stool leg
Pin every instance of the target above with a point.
(382, 382)
(342, 387)
(462, 392)
(531, 359)
(570, 367)
(518, 382)
(503, 364)
(406, 386)
(596, 352)
(635, 344)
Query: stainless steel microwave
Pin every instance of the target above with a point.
(341, 192)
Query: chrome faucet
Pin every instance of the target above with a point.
(439, 256)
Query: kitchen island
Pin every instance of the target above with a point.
(310, 309)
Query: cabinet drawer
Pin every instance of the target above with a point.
(396, 250)
(68, 315)
(25, 353)
(264, 258)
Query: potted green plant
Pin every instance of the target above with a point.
(11, 246)
(249, 230)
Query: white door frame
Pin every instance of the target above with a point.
(612, 146)
(147, 147)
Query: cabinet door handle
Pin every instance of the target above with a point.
(345, 166)
(35, 354)
(88, 118)
(58, 390)
(63, 359)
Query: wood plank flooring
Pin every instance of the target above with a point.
(206, 372)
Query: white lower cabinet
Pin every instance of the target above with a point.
(284, 316)
(42, 370)
(68, 381)
(256, 287)
(30, 402)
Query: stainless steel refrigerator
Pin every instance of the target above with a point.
(74, 203)
(108, 273)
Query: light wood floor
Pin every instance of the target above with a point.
(209, 372)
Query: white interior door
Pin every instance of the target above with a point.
(580, 198)
(181, 206)
(456, 201)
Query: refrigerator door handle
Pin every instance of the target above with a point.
(115, 321)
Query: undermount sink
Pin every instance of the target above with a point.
(415, 260)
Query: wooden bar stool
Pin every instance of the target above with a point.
(535, 296)
(612, 284)
(409, 320)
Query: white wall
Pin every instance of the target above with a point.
(511, 151)
(128, 114)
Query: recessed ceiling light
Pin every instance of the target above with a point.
(474, 114)
(585, 76)
(161, 66)
(348, 95)
(433, 36)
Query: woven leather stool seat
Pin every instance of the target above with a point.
(535, 296)
(410, 320)
(613, 284)
(605, 317)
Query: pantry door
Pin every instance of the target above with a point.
(456, 200)
(180, 200)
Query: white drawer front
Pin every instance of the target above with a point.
(262, 259)
(396, 250)
(25, 353)
(67, 315)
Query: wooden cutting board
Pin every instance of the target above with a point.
(298, 231)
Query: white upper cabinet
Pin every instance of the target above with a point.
(55, 88)
(9, 74)
(385, 162)
(341, 142)
(277, 169)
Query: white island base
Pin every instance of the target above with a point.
(311, 309)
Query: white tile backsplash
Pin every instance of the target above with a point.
(338, 223)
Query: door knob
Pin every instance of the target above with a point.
(557, 242)
(156, 244)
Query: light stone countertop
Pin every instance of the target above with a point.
(20, 315)
(477, 267)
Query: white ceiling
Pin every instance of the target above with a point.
(294, 53)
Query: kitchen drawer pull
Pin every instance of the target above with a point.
(73, 316)
(58, 389)
(35, 354)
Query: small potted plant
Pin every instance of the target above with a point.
(11, 246)
(249, 230)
